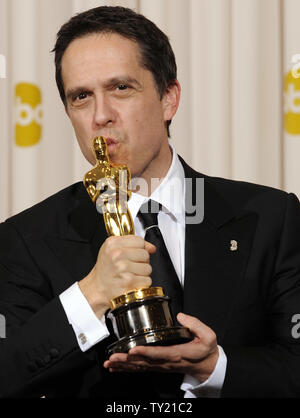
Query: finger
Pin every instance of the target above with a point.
(140, 282)
(116, 357)
(140, 364)
(125, 368)
(137, 366)
(129, 271)
(198, 328)
(205, 341)
(149, 247)
(121, 364)
(133, 241)
(137, 254)
(140, 269)
(136, 359)
(143, 360)
(121, 357)
(158, 354)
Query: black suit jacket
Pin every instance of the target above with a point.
(248, 297)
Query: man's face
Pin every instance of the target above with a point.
(110, 94)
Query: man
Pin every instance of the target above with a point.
(239, 268)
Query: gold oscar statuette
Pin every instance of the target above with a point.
(141, 316)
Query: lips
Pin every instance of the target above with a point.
(112, 145)
(111, 141)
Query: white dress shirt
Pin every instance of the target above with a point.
(89, 330)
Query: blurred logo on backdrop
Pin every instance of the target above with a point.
(28, 114)
(292, 98)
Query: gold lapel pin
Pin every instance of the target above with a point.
(233, 245)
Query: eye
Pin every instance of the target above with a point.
(81, 96)
(122, 87)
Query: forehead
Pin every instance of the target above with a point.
(104, 51)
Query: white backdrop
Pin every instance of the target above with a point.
(234, 58)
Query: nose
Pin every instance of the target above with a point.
(104, 114)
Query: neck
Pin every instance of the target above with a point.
(154, 174)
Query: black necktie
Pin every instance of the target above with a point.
(163, 272)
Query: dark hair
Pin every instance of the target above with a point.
(157, 55)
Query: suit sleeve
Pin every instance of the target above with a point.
(39, 347)
(272, 368)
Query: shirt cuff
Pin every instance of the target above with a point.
(89, 330)
(210, 388)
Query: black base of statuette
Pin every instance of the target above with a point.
(162, 337)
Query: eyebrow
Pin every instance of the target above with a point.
(74, 92)
(122, 80)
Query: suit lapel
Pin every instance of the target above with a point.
(214, 266)
(81, 234)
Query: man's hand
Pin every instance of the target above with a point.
(122, 266)
(197, 358)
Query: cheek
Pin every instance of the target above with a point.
(79, 123)
(86, 150)
(84, 138)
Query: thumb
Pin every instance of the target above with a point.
(198, 328)
(150, 247)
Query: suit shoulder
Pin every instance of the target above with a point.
(44, 214)
(242, 195)
(236, 192)
(242, 192)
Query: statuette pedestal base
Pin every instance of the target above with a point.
(142, 317)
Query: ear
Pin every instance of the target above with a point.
(170, 100)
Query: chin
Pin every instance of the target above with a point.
(116, 159)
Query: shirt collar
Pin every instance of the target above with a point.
(170, 193)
